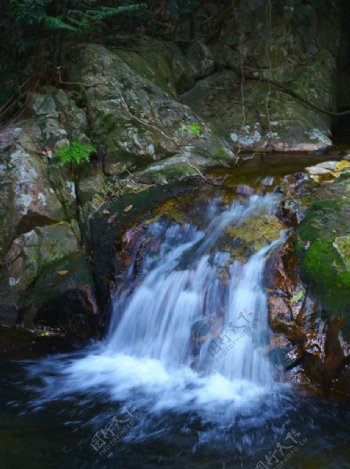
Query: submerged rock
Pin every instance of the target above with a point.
(257, 231)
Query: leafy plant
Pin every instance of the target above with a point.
(76, 153)
(194, 128)
(65, 17)
(297, 297)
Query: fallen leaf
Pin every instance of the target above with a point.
(62, 272)
(128, 208)
(342, 165)
(105, 211)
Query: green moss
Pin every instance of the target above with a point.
(328, 276)
(319, 219)
(149, 63)
(322, 244)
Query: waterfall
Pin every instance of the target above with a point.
(190, 307)
(189, 327)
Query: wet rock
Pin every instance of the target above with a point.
(280, 314)
(282, 353)
(64, 298)
(291, 212)
(328, 171)
(255, 233)
(316, 346)
(243, 189)
(202, 331)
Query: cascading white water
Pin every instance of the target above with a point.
(189, 325)
(184, 287)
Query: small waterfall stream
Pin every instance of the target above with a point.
(188, 337)
(187, 374)
(191, 293)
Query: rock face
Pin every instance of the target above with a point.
(324, 248)
(300, 55)
(158, 113)
(134, 121)
(45, 280)
(310, 344)
(308, 288)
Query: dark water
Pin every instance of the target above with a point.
(102, 407)
(58, 433)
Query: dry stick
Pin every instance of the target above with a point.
(6, 106)
(25, 107)
(199, 172)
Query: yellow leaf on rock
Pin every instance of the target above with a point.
(62, 272)
(341, 165)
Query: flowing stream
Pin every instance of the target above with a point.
(189, 329)
(188, 285)
(185, 358)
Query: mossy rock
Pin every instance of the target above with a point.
(324, 248)
(244, 240)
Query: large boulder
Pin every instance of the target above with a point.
(324, 248)
(308, 341)
(253, 117)
(134, 121)
(44, 275)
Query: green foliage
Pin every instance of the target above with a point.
(297, 297)
(76, 153)
(75, 16)
(194, 128)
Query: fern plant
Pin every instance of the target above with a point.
(67, 18)
(75, 153)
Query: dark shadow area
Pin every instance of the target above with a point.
(341, 125)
